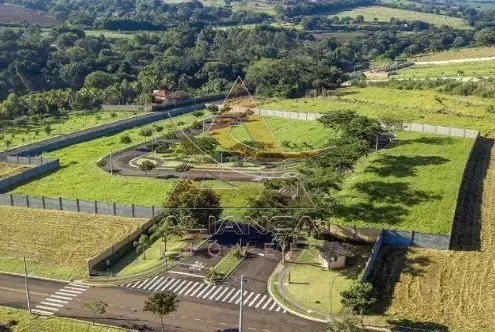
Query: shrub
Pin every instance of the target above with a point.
(125, 139)
(158, 128)
(359, 298)
(198, 113)
(113, 115)
(183, 167)
(102, 162)
(146, 132)
(212, 108)
(163, 147)
(197, 125)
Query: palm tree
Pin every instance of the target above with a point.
(165, 230)
(142, 244)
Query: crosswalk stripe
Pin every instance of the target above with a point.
(135, 284)
(254, 300)
(221, 294)
(235, 296)
(239, 299)
(273, 306)
(260, 301)
(204, 289)
(156, 283)
(70, 291)
(166, 284)
(128, 285)
(172, 285)
(61, 297)
(227, 296)
(284, 311)
(79, 285)
(216, 292)
(197, 289)
(149, 283)
(178, 287)
(65, 294)
(247, 298)
(192, 287)
(47, 308)
(209, 292)
(185, 287)
(52, 304)
(266, 303)
(278, 308)
(55, 300)
(75, 288)
(142, 283)
(42, 312)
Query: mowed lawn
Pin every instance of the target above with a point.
(19, 134)
(384, 14)
(80, 177)
(57, 244)
(421, 106)
(411, 185)
(458, 54)
(26, 322)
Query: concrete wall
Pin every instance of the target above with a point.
(42, 166)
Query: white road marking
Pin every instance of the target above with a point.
(65, 294)
(55, 300)
(156, 283)
(42, 312)
(172, 285)
(61, 297)
(71, 291)
(52, 304)
(235, 296)
(167, 283)
(266, 303)
(254, 300)
(247, 298)
(221, 294)
(185, 287)
(149, 283)
(180, 285)
(260, 301)
(75, 288)
(213, 295)
(79, 285)
(278, 308)
(204, 289)
(191, 288)
(208, 293)
(239, 299)
(273, 306)
(197, 289)
(47, 308)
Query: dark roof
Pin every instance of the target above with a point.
(332, 249)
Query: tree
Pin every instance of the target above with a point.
(359, 298)
(96, 307)
(165, 230)
(147, 166)
(125, 139)
(161, 303)
(282, 240)
(345, 323)
(142, 244)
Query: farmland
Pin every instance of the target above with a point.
(466, 69)
(382, 102)
(458, 54)
(16, 134)
(57, 244)
(8, 170)
(384, 14)
(28, 323)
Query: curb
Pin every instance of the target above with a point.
(43, 278)
(285, 307)
(228, 274)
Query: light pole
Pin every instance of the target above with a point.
(111, 162)
(241, 303)
(27, 285)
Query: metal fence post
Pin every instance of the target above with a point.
(114, 205)
(43, 202)
(133, 210)
(96, 207)
(78, 205)
(60, 204)
(152, 211)
(11, 200)
(27, 201)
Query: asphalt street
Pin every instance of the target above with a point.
(195, 313)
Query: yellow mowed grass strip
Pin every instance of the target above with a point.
(7, 170)
(456, 289)
(57, 239)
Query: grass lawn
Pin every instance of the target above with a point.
(8, 170)
(378, 102)
(16, 135)
(133, 263)
(466, 69)
(384, 14)
(317, 289)
(411, 185)
(57, 244)
(30, 323)
(458, 54)
(80, 177)
(256, 6)
(226, 265)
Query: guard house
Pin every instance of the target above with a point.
(333, 255)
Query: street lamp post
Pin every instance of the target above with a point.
(241, 303)
(27, 285)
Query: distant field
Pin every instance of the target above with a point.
(32, 323)
(111, 34)
(421, 106)
(412, 185)
(16, 14)
(463, 53)
(467, 69)
(255, 6)
(80, 177)
(19, 134)
(384, 14)
(56, 244)
(7, 170)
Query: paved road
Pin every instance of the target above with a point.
(195, 313)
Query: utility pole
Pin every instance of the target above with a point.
(27, 285)
(111, 162)
(376, 144)
(241, 303)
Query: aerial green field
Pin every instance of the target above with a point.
(411, 185)
(8, 170)
(30, 323)
(421, 106)
(466, 69)
(458, 54)
(19, 134)
(255, 6)
(80, 177)
(57, 244)
(384, 14)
